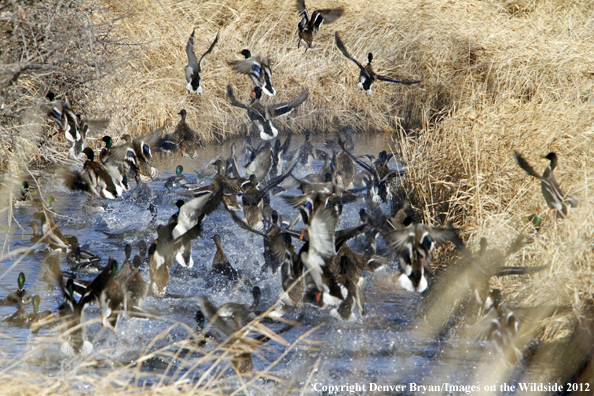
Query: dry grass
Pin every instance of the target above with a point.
(497, 76)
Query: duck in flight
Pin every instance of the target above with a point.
(367, 76)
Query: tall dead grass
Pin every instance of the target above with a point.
(497, 76)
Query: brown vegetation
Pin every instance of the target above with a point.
(497, 76)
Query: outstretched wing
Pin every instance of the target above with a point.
(209, 50)
(387, 79)
(342, 48)
(285, 108)
(247, 66)
(234, 101)
(301, 9)
(525, 165)
(326, 15)
(192, 61)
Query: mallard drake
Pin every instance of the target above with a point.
(111, 298)
(220, 263)
(555, 197)
(73, 313)
(77, 136)
(104, 291)
(258, 69)
(310, 26)
(25, 192)
(177, 181)
(68, 123)
(80, 258)
(37, 316)
(193, 69)
(137, 154)
(20, 296)
(117, 168)
(262, 115)
(414, 245)
(59, 112)
(366, 75)
(535, 220)
(101, 291)
(102, 181)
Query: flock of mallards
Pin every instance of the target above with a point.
(320, 264)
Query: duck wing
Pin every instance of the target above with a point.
(525, 165)
(266, 73)
(390, 80)
(234, 101)
(301, 9)
(282, 109)
(208, 51)
(190, 212)
(193, 65)
(342, 48)
(261, 164)
(325, 15)
(123, 152)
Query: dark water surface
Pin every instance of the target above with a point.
(385, 347)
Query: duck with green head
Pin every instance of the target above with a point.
(258, 69)
(20, 296)
(177, 181)
(37, 316)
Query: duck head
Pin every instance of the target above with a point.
(179, 170)
(89, 153)
(246, 53)
(257, 93)
(553, 158)
(21, 281)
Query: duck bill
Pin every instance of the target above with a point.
(302, 234)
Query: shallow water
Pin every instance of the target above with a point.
(387, 346)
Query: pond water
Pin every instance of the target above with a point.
(388, 346)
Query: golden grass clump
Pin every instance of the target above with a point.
(497, 77)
